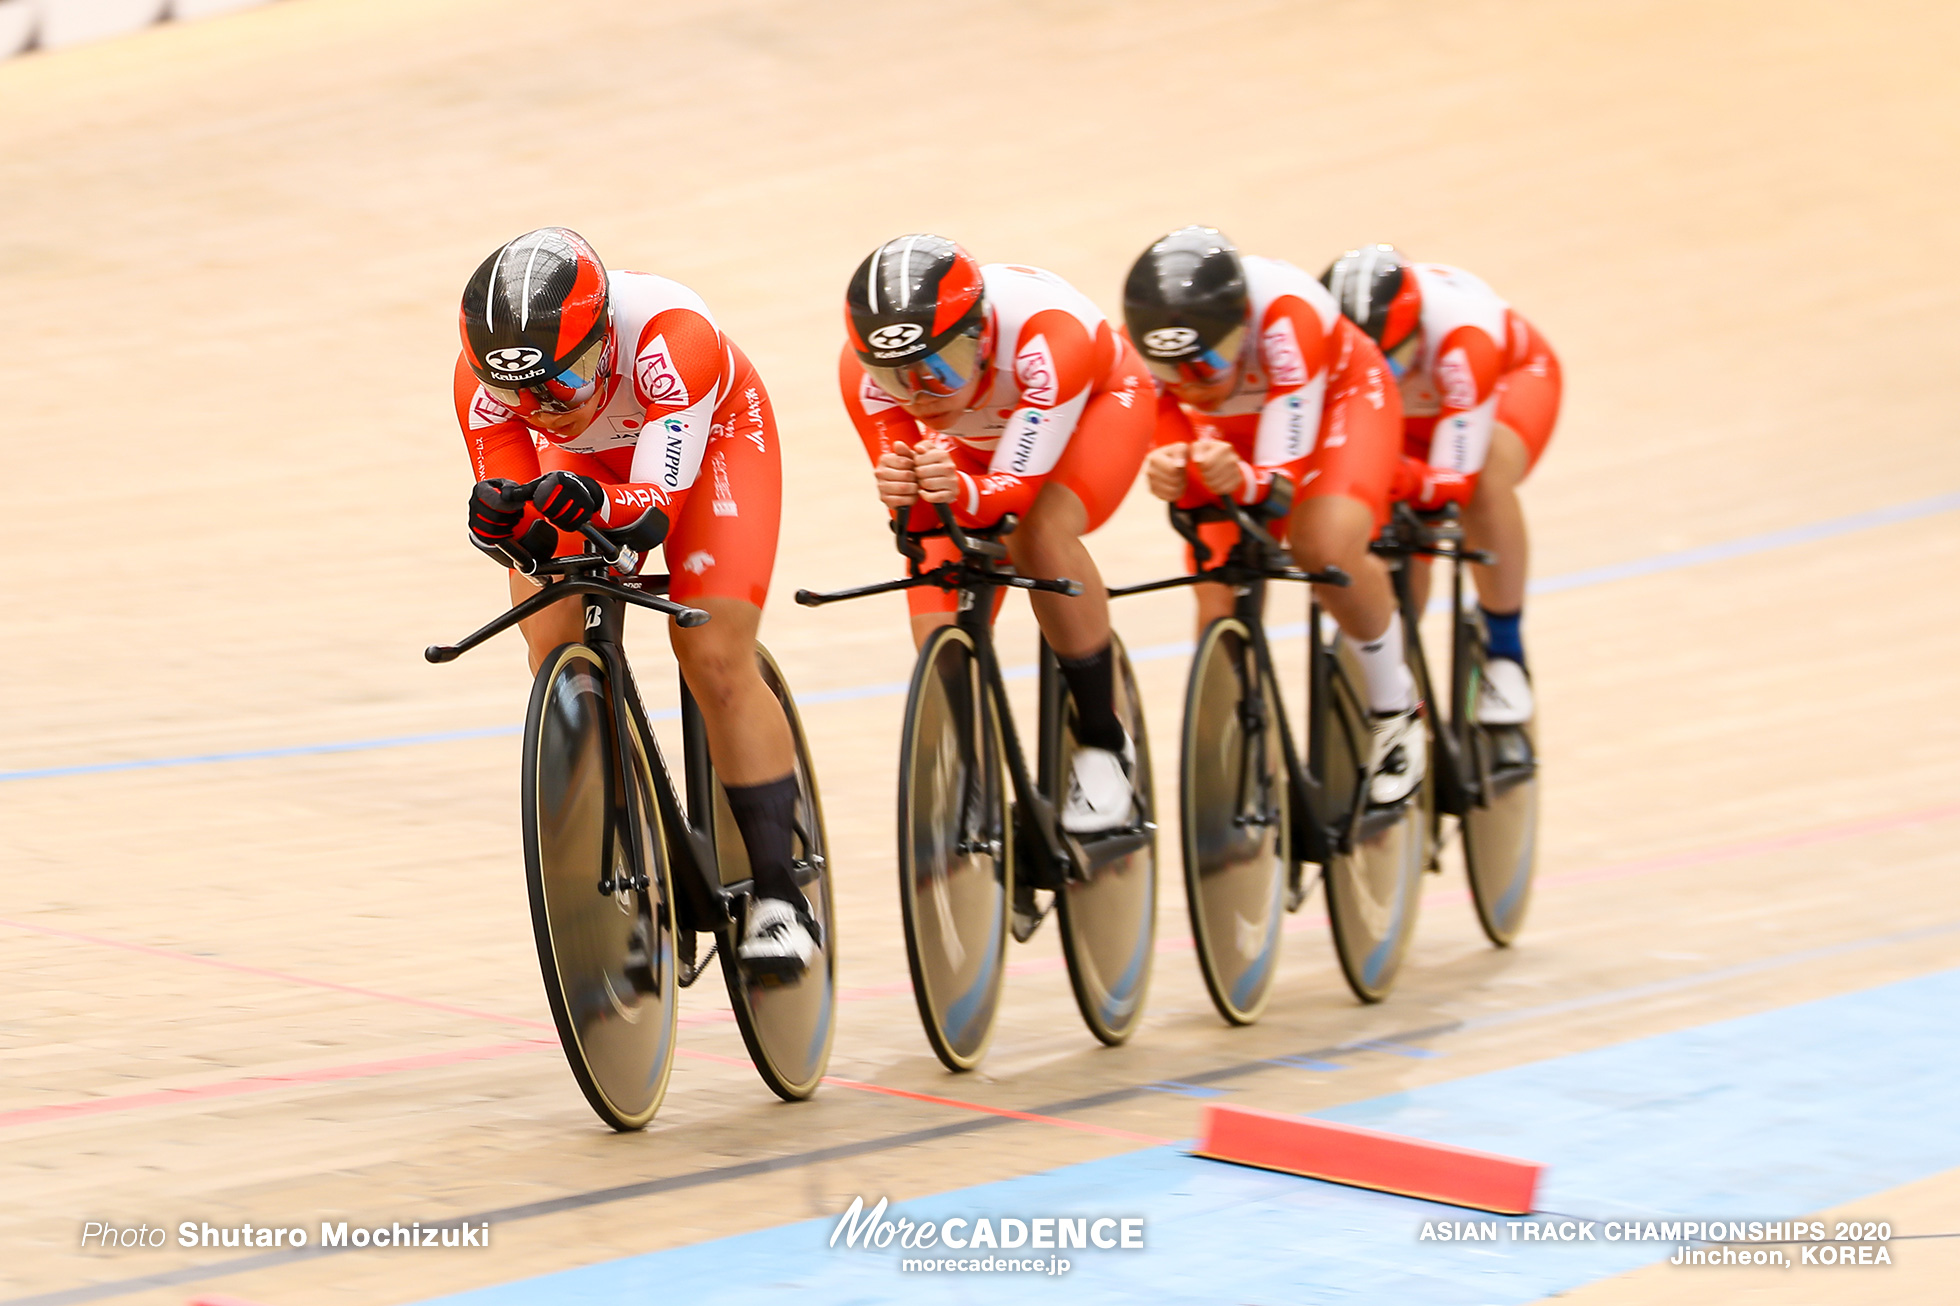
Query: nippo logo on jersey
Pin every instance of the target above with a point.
(1167, 342)
(514, 362)
(894, 339)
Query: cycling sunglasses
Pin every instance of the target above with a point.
(934, 376)
(562, 393)
(1401, 358)
(1208, 368)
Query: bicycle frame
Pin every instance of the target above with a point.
(702, 902)
(978, 575)
(1315, 834)
(1408, 536)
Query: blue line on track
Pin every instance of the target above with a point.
(1649, 566)
(1772, 1116)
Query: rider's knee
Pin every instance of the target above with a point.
(1318, 545)
(716, 668)
(1330, 531)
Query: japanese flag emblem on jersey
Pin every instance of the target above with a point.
(1034, 369)
(658, 379)
(1456, 380)
(1282, 349)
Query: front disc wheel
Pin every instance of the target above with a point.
(1234, 809)
(955, 870)
(607, 955)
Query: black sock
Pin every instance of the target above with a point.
(764, 813)
(1092, 684)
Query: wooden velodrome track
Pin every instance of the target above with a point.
(297, 987)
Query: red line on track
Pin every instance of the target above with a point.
(369, 1069)
(150, 950)
(35, 1115)
(1081, 1125)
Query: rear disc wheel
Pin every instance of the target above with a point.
(1374, 884)
(1108, 908)
(787, 1024)
(1500, 830)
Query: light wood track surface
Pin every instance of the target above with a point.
(304, 987)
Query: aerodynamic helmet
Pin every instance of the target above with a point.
(537, 322)
(1186, 306)
(1377, 291)
(916, 312)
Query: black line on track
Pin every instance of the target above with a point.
(794, 1160)
(704, 1178)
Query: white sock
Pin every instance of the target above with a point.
(1390, 686)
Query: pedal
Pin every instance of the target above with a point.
(1298, 886)
(1026, 917)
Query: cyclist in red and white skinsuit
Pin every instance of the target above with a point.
(1261, 376)
(1480, 395)
(621, 392)
(1002, 389)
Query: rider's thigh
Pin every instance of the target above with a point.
(924, 623)
(723, 545)
(1508, 463)
(1214, 601)
(1106, 450)
(1528, 402)
(748, 736)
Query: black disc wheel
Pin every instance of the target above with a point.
(787, 1024)
(607, 953)
(955, 871)
(1500, 829)
(1234, 814)
(1374, 874)
(1108, 906)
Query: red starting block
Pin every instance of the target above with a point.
(1368, 1158)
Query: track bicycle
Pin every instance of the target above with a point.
(624, 883)
(975, 829)
(1255, 813)
(1487, 774)
(1255, 810)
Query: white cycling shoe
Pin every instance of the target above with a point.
(1402, 752)
(1505, 699)
(777, 940)
(1101, 796)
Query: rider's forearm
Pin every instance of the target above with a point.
(984, 499)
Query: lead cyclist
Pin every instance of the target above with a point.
(619, 396)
